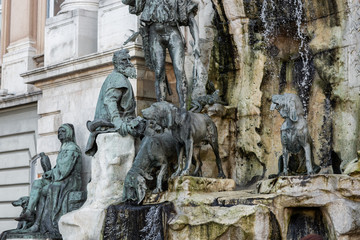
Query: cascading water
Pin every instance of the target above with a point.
(133, 222)
(153, 226)
(306, 81)
(284, 14)
(266, 16)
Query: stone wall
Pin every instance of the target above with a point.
(18, 130)
(260, 68)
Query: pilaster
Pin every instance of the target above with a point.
(115, 24)
(72, 33)
(19, 44)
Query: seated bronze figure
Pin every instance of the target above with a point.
(55, 193)
(115, 108)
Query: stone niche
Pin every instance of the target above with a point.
(304, 221)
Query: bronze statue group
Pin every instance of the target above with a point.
(169, 134)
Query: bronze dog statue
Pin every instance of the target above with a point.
(22, 202)
(295, 137)
(189, 129)
(22, 225)
(155, 151)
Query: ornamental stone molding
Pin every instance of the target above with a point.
(69, 5)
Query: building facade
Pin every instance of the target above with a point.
(55, 54)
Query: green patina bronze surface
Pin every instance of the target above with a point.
(115, 109)
(55, 194)
(160, 31)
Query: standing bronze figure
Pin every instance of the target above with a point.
(161, 21)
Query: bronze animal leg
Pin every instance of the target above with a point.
(309, 167)
(179, 168)
(189, 150)
(285, 162)
(197, 171)
(160, 177)
(213, 137)
(215, 146)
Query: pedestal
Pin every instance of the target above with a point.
(70, 35)
(115, 24)
(109, 167)
(17, 60)
(181, 190)
(199, 215)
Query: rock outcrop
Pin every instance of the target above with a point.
(281, 208)
(262, 48)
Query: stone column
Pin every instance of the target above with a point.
(73, 32)
(69, 5)
(19, 41)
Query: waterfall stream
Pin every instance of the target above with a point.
(284, 14)
(305, 82)
(137, 222)
(266, 16)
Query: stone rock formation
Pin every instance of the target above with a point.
(281, 208)
(254, 50)
(260, 48)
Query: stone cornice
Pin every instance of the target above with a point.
(77, 69)
(18, 100)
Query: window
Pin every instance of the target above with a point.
(53, 7)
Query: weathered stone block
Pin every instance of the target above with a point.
(109, 167)
(200, 184)
(212, 222)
